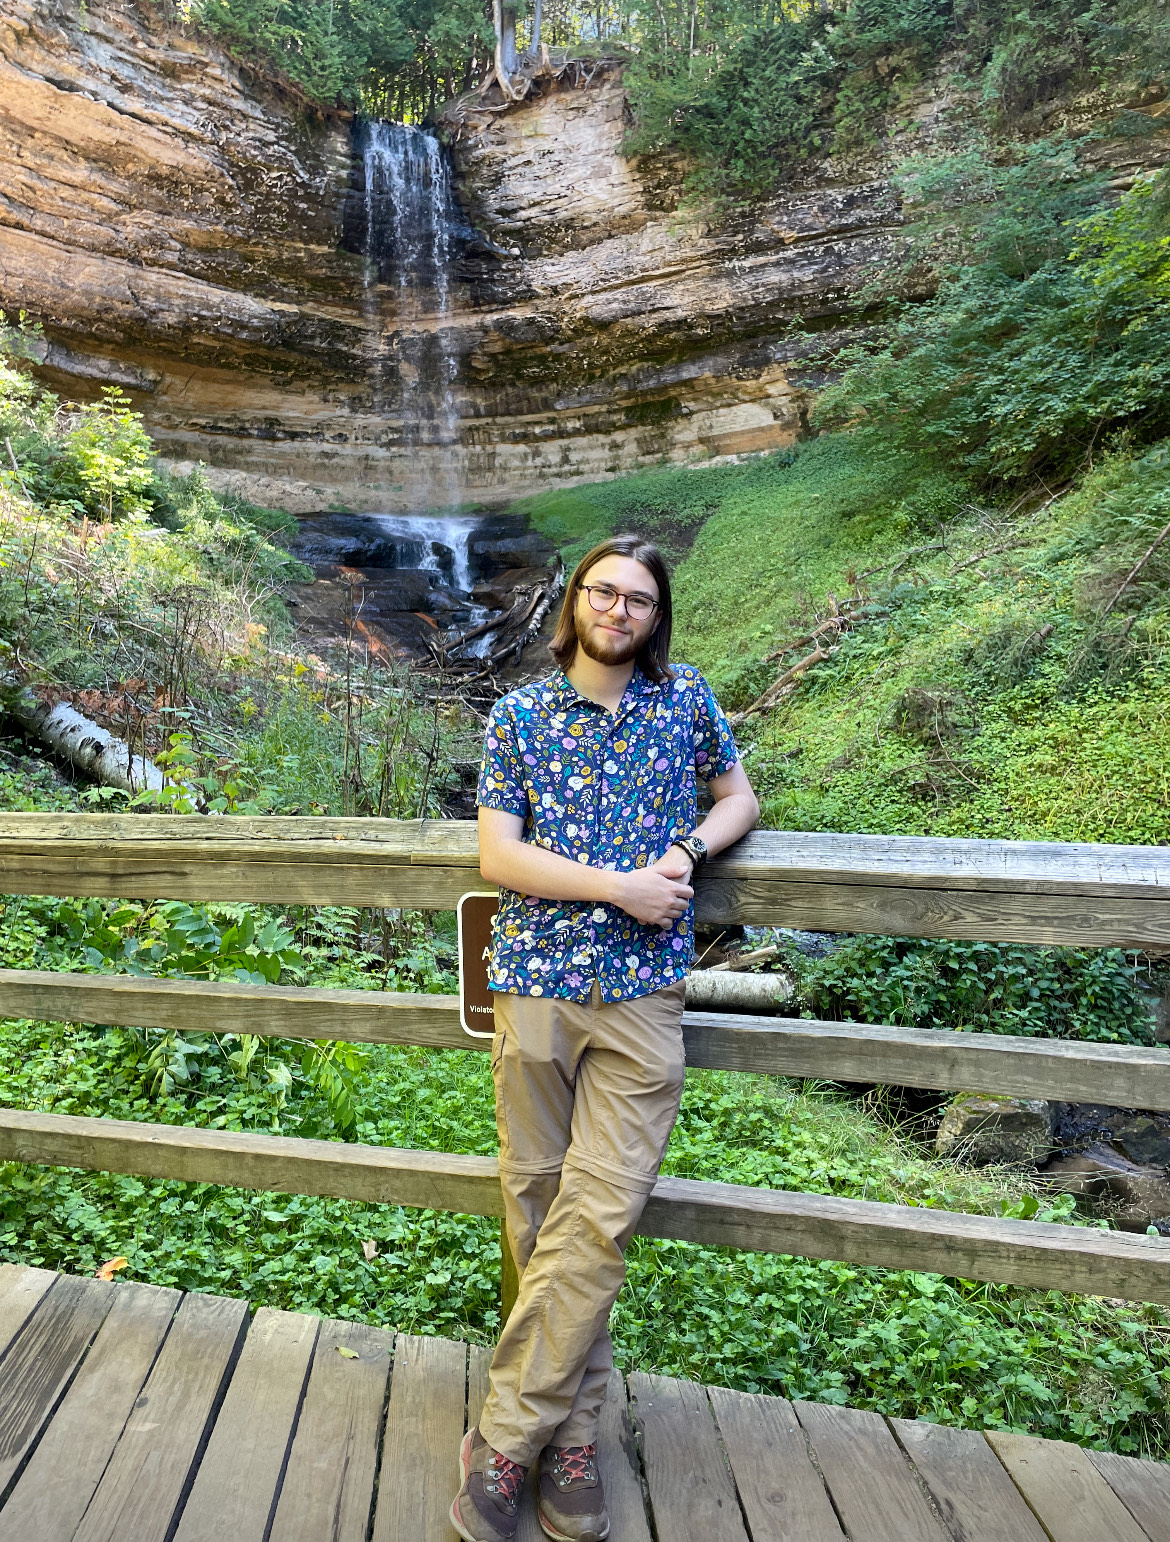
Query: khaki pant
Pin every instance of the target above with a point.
(586, 1097)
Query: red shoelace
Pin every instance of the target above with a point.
(507, 1477)
(576, 1461)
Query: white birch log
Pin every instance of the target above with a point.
(93, 750)
(711, 990)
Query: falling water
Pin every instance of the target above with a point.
(410, 216)
(410, 220)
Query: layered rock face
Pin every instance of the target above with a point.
(196, 235)
(193, 234)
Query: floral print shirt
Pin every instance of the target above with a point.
(605, 789)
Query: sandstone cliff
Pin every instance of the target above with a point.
(192, 233)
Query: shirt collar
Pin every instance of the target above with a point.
(565, 694)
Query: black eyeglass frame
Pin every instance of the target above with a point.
(587, 590)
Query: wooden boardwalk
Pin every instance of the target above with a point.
(130, 1413)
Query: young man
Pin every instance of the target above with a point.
(588, 824)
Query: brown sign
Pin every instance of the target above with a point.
(477, 1010)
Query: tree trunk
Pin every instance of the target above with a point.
(534, 46)
(108, 761)
(711, 990)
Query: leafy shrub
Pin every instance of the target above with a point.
(1060, 993)
(1015, 369)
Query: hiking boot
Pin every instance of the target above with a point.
(571, 1506)
(484, 1509)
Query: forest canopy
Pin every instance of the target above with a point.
(748, 89)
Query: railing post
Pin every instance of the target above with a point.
(509, 1276)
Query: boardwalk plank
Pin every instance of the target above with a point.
(420, 1453)
(21, 1289)
(236, 1486)
(975, 1496)
(1143, 1487)
(874, 1491)
(782, 1494)
(1069, 1497)
(329, 1487)
(41, 1360)
(52, 1493)
(148, 1475)
(691, 1492)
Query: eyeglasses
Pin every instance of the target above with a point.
(603, 597)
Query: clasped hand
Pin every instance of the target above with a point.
(658, 895)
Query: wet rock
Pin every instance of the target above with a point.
(499, 593)
(524, 549)
(1145, 1139)
(344, 540)
(983, 1128)
(1132, 1193)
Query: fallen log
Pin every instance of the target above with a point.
(710, 990)
(93, 750)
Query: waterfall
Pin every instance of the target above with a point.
(410, 217)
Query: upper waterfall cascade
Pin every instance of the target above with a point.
(410, 220)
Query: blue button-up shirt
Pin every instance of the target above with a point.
(608, 790)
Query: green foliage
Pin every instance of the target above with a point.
(1021, 365)
(982, 987)
(755, 93)
(667, 506)
(405, 56)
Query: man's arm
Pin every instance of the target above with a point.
(736, 812)
(646, 893)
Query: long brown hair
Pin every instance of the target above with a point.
(654, 654)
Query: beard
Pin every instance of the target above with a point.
(607, 650)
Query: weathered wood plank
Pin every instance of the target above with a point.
(147, 1478)
(974, 1495)
(213, 875)
(419, 1476)
(479, 1359)
(239, 1475)
(874, 1490)
(1142, 1487)
(1053, 1257)
(617, 1462)
(21, 1288)
(971, 1247)
(915, 886)
(205, 1006)
(691, 1492)
(1069, 1497)
(329, 1487)
(42, 1358)
(1126, 1076)
(55, 1488)
(1044, 919)
(777, 855)
(783, 1496)
(283, 1164)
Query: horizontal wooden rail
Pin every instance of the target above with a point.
(1087, 1261)
(1008, 891)
(1122, 1075)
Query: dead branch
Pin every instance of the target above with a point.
(1137, 567)
(780, 688)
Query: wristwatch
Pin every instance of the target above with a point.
(694, 848)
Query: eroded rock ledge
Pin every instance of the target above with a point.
(188, 232)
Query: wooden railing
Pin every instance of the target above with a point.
(1005, 891)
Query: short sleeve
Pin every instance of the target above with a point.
(501, 780)
(715, 750)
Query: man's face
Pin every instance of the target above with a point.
(613, 636)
